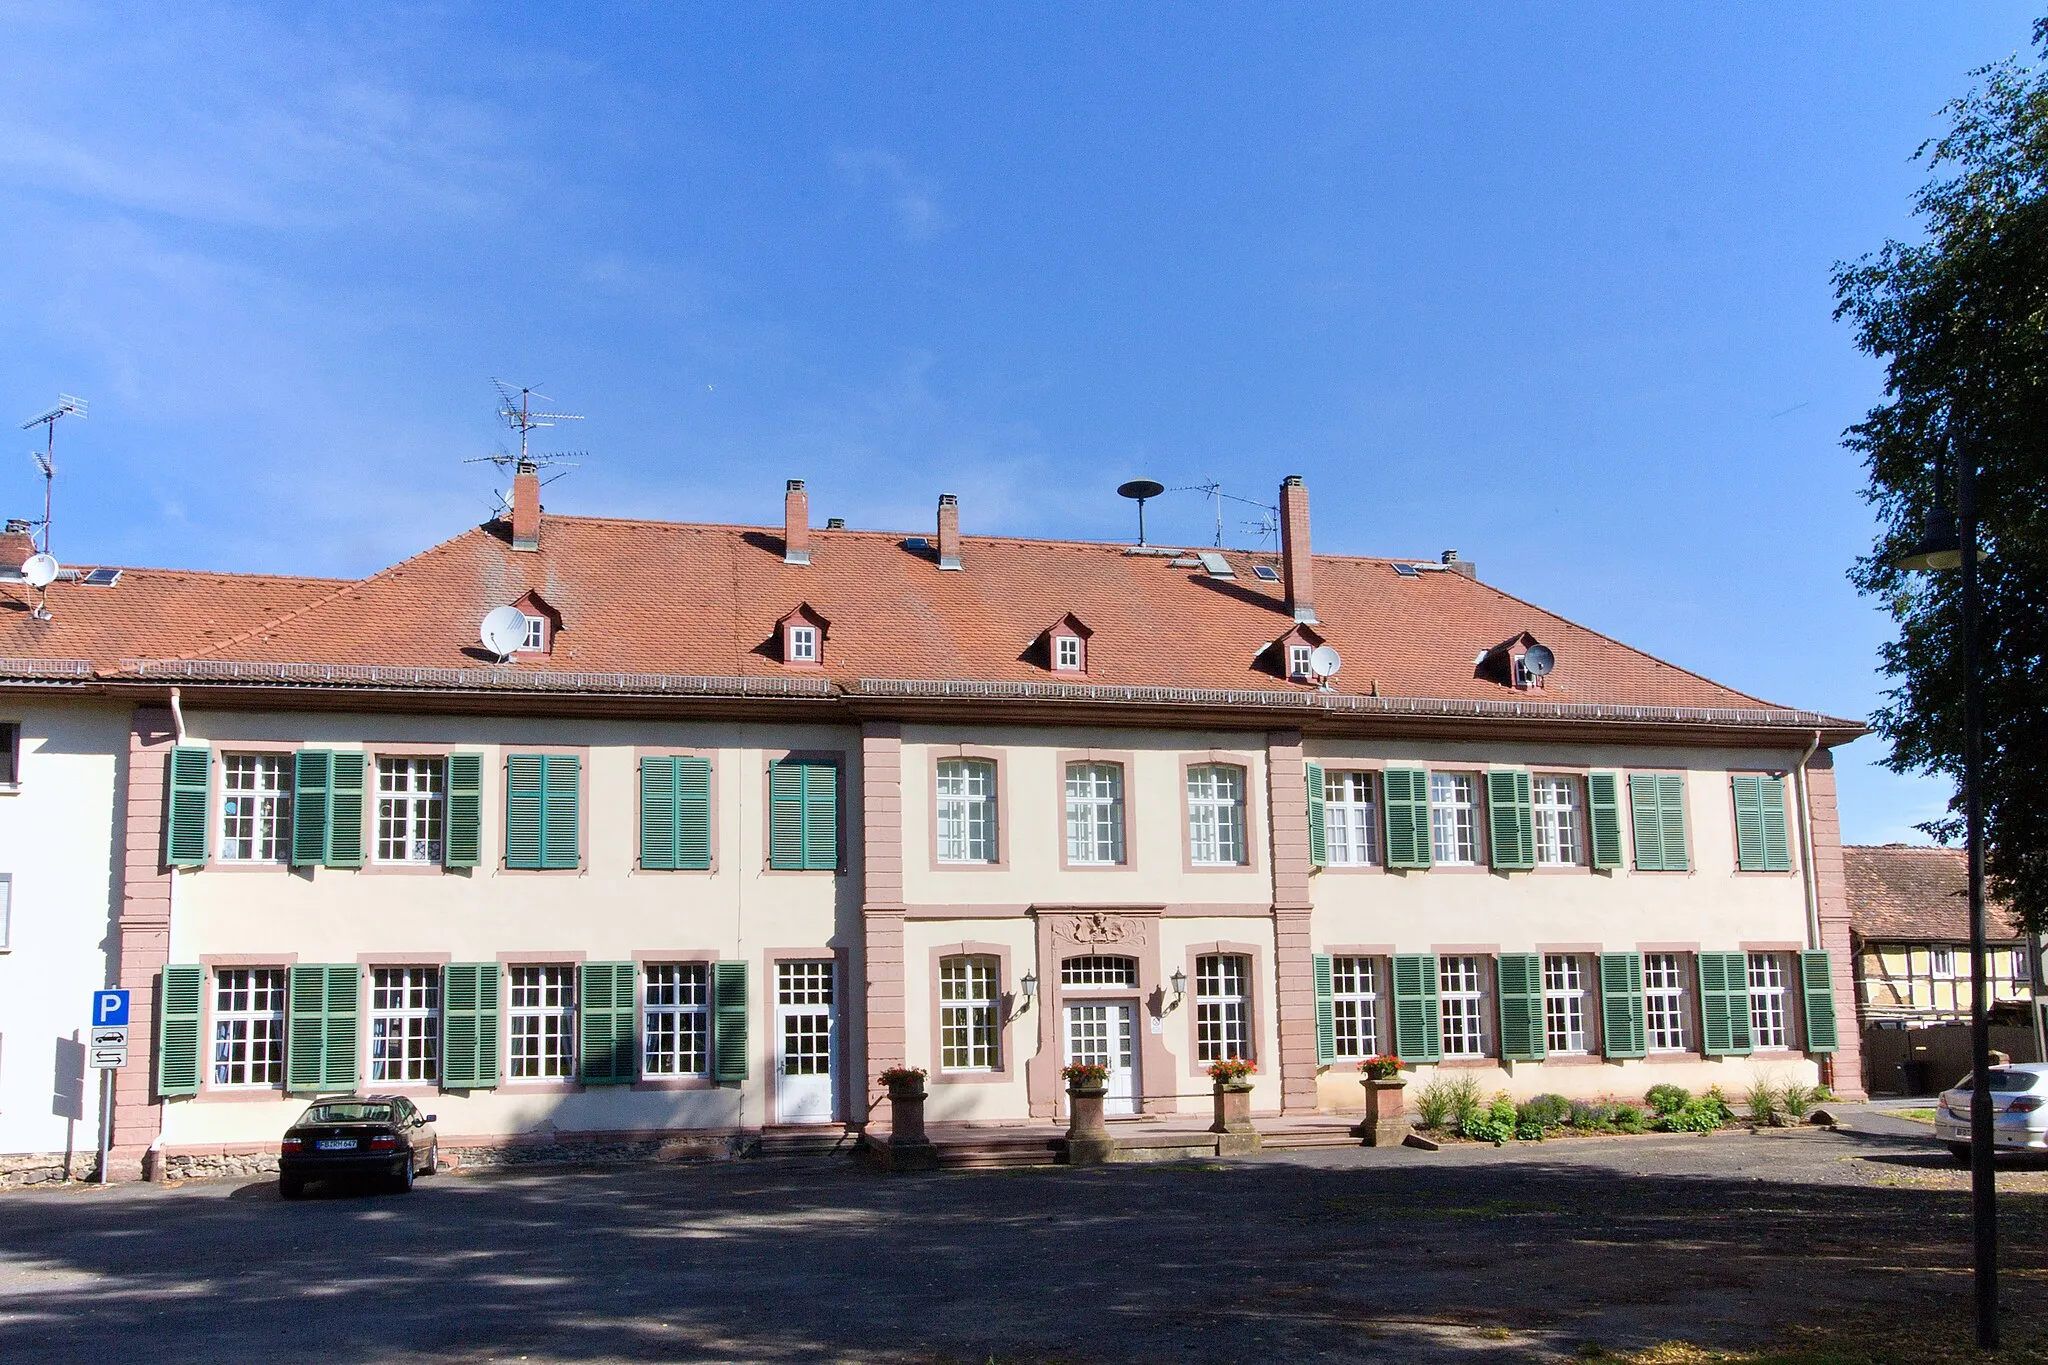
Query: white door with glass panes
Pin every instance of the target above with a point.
(806, 1042)
(1102, 1032)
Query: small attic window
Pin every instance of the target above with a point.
(803, 644)
(1297, 660)
(1066, 653)
(536, 641)
(542, 621)
(1265, 573)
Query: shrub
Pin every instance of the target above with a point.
(1626, 1118)
(1545, 1112)
(1766, 1104)
(1717, 1104)
(1799, 1100)
(1668, 1099)
(1494, 1122)
(1589, 1117)
(1695, 1117)
(1444, 1099)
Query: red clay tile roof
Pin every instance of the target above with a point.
(1898, 892)
(642, 597)
(148, 612)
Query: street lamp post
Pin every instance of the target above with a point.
(1943, 548)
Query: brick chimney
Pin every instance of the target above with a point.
(796, 524)
(1466, 567)
(1297, 571)
(526, 508)
(16, 545)
(949, 531)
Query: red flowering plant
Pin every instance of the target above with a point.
(903, 1075)
(1232, 1070)
(1383, 1067)
(1087, 1075)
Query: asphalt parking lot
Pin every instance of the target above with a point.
(1522, 1253)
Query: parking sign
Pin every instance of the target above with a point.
(109, 1009)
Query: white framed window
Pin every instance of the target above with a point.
(410, 794)
(405, 1024)
(1351, 826)
(1099, 972)
(1564, 1004)
(10, 756)
(969, 1039)
(1768, 1024)
(1355, 1005)
(543, 1023)
(248, 1026)
(536, 635)
(1665, 1010)
(1558, 822)
(1223, 1007)
(1066, 653)
(256, 808)
(1453, 819)
(967, 811)
(1942, 962)
(1297, 660)
(1095, 814)
(675, 1019)
(6, 912)
(803, 644)
(1216, 814)
(1461, 995)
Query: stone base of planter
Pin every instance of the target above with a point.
(1233, 1110)
(1237, 1144)
(898, 1154)
(1090, 1150)
(1386, 1113)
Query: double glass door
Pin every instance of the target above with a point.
(1104, 1032)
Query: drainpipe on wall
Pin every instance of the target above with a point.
(178, 715)
(1809, 880)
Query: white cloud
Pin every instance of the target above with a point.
(913, 198)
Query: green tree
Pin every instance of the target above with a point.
(1960, 319)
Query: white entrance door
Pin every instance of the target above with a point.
(1101, 1032)
(806, 1070)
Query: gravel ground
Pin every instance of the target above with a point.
(1527, 1252)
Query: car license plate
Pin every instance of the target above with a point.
(336, 1144)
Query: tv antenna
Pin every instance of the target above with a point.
(1213, 491)
(1139, 490)
(46, 458)
(515, 410)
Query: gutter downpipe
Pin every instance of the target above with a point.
(1809, 880)
(178, 714)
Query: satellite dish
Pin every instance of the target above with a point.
(1139, 490)
(1323, 662)
(39, 570)
(1538, 661)
(503, 630)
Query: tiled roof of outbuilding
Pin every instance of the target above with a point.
(1903, 893)
(148, 613)
(642, 597)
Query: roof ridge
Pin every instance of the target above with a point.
(347, 586)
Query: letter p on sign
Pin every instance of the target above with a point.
(109, 1008)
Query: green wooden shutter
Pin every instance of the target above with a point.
(1326, 1009)
(608, 1032)
(1817, 978)
(1407, 801)
(185, 819)
(1671, 811)
(729, 1021)
(1603, 795)
(1418, 1028)
(177, 1030)
(1318, 817)
(523, 791)
(1511, 820)
(311, 774)
(821, 817)
(1657, 803)
(464, 846)
(345, 811)
(693, 814)
(1777, 846)
(1521, 1006)
(1624, 1032)
(469, 1025)
(322, 1032)
(560, 774)
(786, 816)
(1724, 1004)
(658, 814)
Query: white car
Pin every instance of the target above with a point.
(2019, 1095)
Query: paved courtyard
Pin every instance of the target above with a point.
(1522, 1253)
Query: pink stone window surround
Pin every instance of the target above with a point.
(946, 1014)
(404, 1025)
(710, 756)
(246, 1028)
(845, 1080)
(1250, 1003)
(493, 835)
(1250, 813)
(645, 961)
(1351, 817)
(846, 795)
(1465, 1004)
(969, 824)
(540, 1022)
(1559, 820)
(255, 808)
(225, 749)
(1066, 761)
(411, 810)
(1055, 943)
(1457, 820)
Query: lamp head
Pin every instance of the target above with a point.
(1180, 983)
(1030, 985)
(1938, 548)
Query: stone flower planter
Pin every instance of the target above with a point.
(1233, 1125)
(907, 1147)
(1088, 1139)
(1386, 1112)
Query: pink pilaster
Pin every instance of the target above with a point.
(1294, 992)
(882, 906)
(1833, 885)
(145, 938)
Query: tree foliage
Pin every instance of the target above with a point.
(1960, 319)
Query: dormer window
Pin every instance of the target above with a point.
(801, 635)
(536, 641)
(1288, 657)
(1063, 645)
(542, 623)
(1066, 653)
(1297, 661)
(803, 644)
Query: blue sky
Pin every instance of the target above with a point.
(1545, 283)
